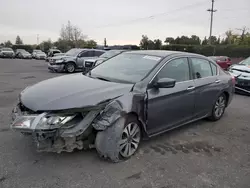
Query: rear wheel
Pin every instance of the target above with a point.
(70, 67)
(219, 108)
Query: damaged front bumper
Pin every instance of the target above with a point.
(57, 132)
(56, 67)
(242, 86)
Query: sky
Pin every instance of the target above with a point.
(119, 21)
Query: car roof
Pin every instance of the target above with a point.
(160, 53)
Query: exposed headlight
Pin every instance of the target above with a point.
(42, 121)
(50, 122)
(59, 61)
(23, 122)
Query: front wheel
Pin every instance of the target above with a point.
(70, 67)
(219, 108)
(119, 141)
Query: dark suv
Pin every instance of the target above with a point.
(73, 59)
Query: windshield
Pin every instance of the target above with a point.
(7, 49)
(110, 53)
(126, 67)
(73, 52)
(245, 62)
(24, 52)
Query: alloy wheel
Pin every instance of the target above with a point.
(70, 68)
(130, 140)
(219, 106)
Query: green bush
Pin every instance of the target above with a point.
(207, 50)
(28, 48)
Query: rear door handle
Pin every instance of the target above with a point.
(217, 81)
(190, 88)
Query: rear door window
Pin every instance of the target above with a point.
(214, 68)
(201, 68)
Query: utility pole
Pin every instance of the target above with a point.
(105, 42)
(211, 21)
(37, 39)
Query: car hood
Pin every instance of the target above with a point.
(70, 91)
(59, 57)
(241, 71)
(7, 52)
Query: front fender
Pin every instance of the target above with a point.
(133, 103)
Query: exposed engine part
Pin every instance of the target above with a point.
(50, 143)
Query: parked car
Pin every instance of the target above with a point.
(34, 53)
(73, 59)
(241, 71)
(7, 53)
(90, 63)
(23, 55)
(40, 55)
(134, 95)
(223, 61)
(18, 51)
(51, 53)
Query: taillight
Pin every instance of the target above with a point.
(233, 80)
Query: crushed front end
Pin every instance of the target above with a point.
(57, 131)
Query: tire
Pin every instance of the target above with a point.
(219, 108)
(119, 141)
(70, 67)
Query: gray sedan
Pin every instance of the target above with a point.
(134, 95)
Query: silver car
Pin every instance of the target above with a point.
(73, 59)
(7, 53)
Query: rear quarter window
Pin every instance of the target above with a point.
(214, 68)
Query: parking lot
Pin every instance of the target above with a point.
(202, 154)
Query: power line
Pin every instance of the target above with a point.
(211, 21)
(154, 15)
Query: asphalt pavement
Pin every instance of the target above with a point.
(202, 154)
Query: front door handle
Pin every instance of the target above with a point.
(217, 81)
(190, 88)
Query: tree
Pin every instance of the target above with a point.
(169, 40)
(218, 41)
(46, 45)
(71, 33)
(195, 40)
(144, 42)
(213, 39)
(229, 37)
(151, 45)
(157, 44)
(7, 43)
(19, 40)
(90, 44)
(205, 41)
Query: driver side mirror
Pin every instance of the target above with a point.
(163, 83)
